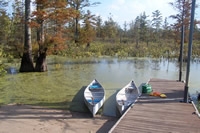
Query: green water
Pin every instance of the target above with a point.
(63, 85)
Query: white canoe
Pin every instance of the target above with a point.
(127, 96)
(94, 96)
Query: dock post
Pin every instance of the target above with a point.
(189, 51)
(181, 53)
(182, 45)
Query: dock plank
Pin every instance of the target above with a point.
(155, 114)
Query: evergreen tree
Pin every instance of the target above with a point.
(110, 29)
(157, 20)
(88, 31)
(143, 21)
(79, 5)
(16, 40)
(99, 26)
(156, 24)
(166, 30)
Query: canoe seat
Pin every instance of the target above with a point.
(95, 100)
(95, 87)
(98, 97)
(130, 89)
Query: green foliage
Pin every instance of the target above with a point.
(87, 32)
(2, 66)
(110, 29)
(97, 49)
(5, 26)
(2, 69)
(79, 6)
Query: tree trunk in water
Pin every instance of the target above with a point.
(41, 65)
(137, 41)
(147, 43)
(27, 61)
(76, 30)
(77, 7)
(88, 45)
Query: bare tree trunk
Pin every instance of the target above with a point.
(27, 61)
(137, 39)
(76, 30)
(41, 65)
(77, 7)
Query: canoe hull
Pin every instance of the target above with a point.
(94, 97)
(127, 96)
(94, 108)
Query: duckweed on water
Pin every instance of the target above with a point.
(56, 88)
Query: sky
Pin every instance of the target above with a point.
(128, 10)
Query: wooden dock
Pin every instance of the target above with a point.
(155, 115)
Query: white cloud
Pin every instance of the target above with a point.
(115, 7)
(97, 14)
(128, 10)
(120, 2)
(115, 17)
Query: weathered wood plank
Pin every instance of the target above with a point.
(154, 114)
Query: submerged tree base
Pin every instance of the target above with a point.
(41, 65)
(26, 63)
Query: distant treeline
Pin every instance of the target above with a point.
(64, 27)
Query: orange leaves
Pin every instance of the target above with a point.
(183, 7)
(58, 4)
(58, 39)
(57, 10)
(34, 24)
(41, 2)
(52, 16)
(57, 43)
(39, 13)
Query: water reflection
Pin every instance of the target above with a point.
(63, 83)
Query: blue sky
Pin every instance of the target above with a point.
(128, 10)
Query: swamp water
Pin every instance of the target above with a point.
(63, 85)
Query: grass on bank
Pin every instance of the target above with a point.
(154, 50)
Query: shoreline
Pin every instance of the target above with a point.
(34, 119)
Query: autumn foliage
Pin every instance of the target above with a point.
(52, 16)
(182, 17)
